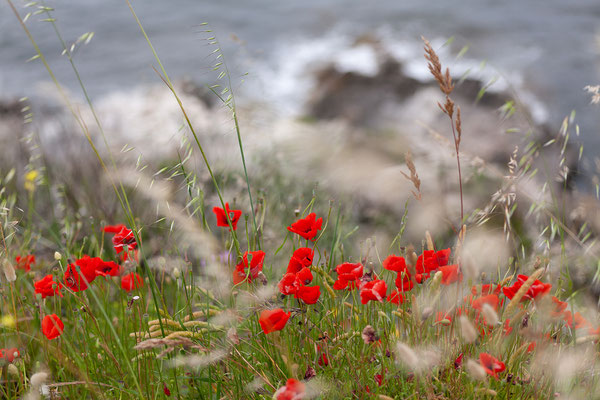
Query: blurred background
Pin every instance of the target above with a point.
(548, 53)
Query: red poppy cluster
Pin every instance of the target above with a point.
(79, 274)
(298, 276)
(296, 279)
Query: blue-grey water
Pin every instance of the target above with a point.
(548, 49)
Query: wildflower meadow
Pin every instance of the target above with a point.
(183, 281)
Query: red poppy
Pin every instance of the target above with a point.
(124, 237)
(531, 347)
(507, 328)
(394, 263)
(580, 321)
(491, 365)
(349, 275)
(47, 287)
(559, 307)
(77, 279)
(379, 379)
(9, 354)
(491, 299)
(293, 390)
(302, 257)
(458, 362)
(440, 316)
(308, 294)
(304, 276)
(93, 267)
(131, 281)
(374, 290)
(450, 274)
(307, 227)
(395, 297)
(166, 390)
(234, 216)
(537, 289)
(322, 360)
(256, 266)
(403, 282)
(25, 262)
(431, 260)
(52, 326)
(287, 284)
(273, 320)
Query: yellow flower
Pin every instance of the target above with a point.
(30, 178)
(7, 321)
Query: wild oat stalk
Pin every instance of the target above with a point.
(446, 86)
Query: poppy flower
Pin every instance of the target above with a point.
(537, 289)
(322, 360)
(403, 282)
(308, 294)
(293, 390)
(580, 321)
(450, 274)
(256, 266)
(394, 263)
(349, 275)
(273, 320)
(559, 307)
(287, 284)
(108, 268)
(47, 287)
(25, 262)
(9, 354)
(52, 326)
(441, 316)
(302, 258)
(304, 276)
(507, 328)
(431, 260)
(93, 267)
(124, 237)
(491, 365)
(374, 290)
(131, 281)
(77, 279)
(307, 227)
(458, 362)
(491, 299)
(234, 216)
(395, 297)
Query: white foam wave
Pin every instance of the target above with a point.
(288, 77)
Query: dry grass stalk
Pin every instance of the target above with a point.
(430, 245)
(446, 86)
(414, 177)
